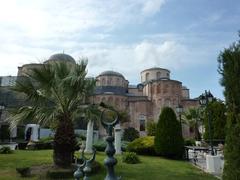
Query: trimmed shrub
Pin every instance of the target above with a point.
(168, 140)
(5, 150)
(20, 132)
(100, 145)
(24, 171)
(130, 134)
(22, 145)
(46, 139)
(130, 158)
(189, 142)
(143, 145)
(81, 137)
(124, 145)
(4, 132)
(39, 145)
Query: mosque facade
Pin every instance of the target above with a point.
(142, 102)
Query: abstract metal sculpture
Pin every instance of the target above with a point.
(110, 161)
(84, 169)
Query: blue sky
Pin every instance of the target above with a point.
(123, 35)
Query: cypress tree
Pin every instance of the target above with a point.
(217, 111)
(168, 140)
(229, 68)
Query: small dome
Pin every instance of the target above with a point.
(60, 57)
(111, 73)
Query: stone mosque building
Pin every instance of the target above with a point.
(143, 102)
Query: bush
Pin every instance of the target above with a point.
(21, 132)
(100, 145)
(168, 140)
(130, 134)
(4, 132)
(24, 171)
(22, 145)
(81, 137)
(189, 142)
(151, 128)
(40, 145)
(143, 145)
(46, 139)
(130, 158)
(5, 150)
(124, 145)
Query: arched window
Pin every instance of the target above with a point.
(118, 84)
(147, 76)
(158, 75)
(153, 89)
(168, 75)
(142, 123)
(158, 89)
(117, 102)
(103, 82)
(109, 81)
(110, 100)
(103, 99)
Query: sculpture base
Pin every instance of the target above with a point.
(214, 164)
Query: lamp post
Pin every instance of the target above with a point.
(179, 110)
(204, 100)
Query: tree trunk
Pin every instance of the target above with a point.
(64, 143)
(89, 139)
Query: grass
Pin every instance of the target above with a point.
(154, 168)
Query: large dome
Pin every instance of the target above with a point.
(60, 57)
(111, 73)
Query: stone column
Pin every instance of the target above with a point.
(117, 138)
(89, 138)
(35, 129)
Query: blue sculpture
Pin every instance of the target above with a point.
(84, 169)
(110, 161)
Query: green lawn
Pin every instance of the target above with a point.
(152, 168)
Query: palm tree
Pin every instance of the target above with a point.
(193, 118)
(54, 93)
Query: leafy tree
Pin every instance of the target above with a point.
(168, 140)
(55, 92)
(216, 112)
(229, 68)
(193, 118)
(122, 115)
(151, 128)
(130, 134)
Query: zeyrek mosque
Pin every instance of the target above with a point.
(143, 102)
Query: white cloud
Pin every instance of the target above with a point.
(36, 29)
(130, 60)
(152, 6)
